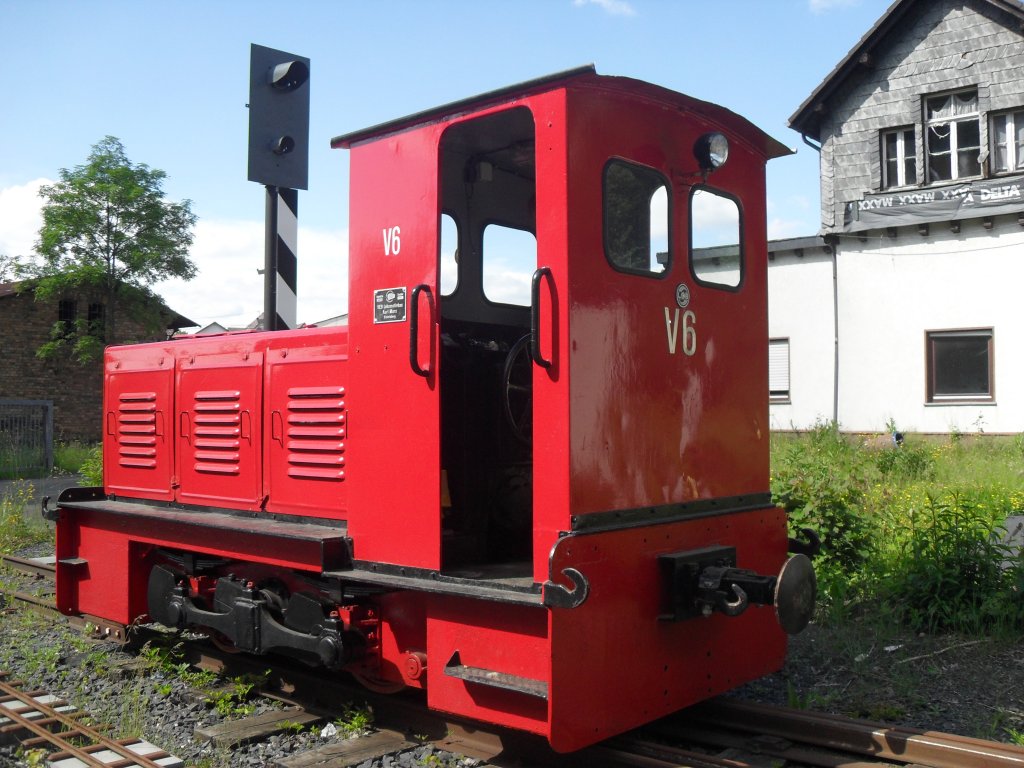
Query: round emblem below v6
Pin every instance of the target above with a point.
(682, 295)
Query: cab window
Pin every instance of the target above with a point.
(509, 259)
(636, 216)
(716, 253)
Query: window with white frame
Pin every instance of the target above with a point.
(778, 370)
(953, 136)
(959, 365)
(899, 158)
(1006, 135)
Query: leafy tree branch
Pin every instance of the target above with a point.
(108, 233)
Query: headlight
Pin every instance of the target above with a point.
(711, 151)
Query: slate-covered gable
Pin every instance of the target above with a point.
(919, 48)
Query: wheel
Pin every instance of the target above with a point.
(517, 390)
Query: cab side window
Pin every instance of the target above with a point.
(636, 216)
(716, 248)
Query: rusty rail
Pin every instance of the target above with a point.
(792, 734)
(36, 724)
(39, 567)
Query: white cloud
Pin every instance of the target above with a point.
(824, 6)
(20, 217)
(229, 289)
(613, 7)
(798, 217)
(780, 229)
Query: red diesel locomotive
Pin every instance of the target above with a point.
(531, 474)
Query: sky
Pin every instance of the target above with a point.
(171, 80)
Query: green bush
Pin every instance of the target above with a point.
(820, 479)
(950, 568)
(69, 457)
(912, 534)
(91, 468)
(18, 530)
(910, 461)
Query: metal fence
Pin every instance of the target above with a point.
(26, 438)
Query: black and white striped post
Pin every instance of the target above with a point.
(281, 264)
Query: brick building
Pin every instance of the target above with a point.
(76, 390)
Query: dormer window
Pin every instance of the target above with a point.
(899, 158)
(953, 136)
(1007, 136)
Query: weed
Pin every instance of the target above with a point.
(91, 467)
(167, 658)
(794, 700)
(909, 461)
(885, 711)
(131, 709)
(229, 702)
(34, 758)
(17, 530)
(946, 570)
(69, 457)
(1015, 736)
(291, 727)
(912, 534)
(233, 700)
(821, 479)
(354, 720)
(41, 659)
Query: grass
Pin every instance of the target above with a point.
(17, 461)
(911, 534)
(18, 530)
(70, 457)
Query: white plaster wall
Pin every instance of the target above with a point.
(800, 307)
(893, 290)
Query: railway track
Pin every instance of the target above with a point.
(724, 733)
(40, 721)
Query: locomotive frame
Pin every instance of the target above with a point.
(550, 511)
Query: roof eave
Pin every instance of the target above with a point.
(807, 118)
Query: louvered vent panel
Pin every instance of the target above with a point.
(218, 431)
(136, 430)
(316, 433)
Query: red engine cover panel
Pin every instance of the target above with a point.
(304, 441)
(138, 444)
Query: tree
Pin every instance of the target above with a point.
(109, 234)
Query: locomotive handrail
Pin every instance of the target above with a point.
(414, 329)
(535, 351)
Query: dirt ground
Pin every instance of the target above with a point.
(969, 686)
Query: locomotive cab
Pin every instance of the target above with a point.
(531, 474)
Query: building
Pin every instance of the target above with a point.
(903, 310)
(76, 390)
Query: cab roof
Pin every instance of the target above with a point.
(584, 77)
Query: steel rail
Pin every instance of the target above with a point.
(642, 753)
(35, 600)
(907, 745)
(72, 729)
(31, 565)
